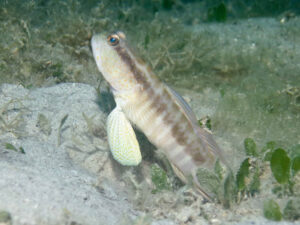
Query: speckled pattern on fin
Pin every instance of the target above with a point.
(122, 140)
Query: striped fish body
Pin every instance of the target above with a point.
(159, 112)
(155, 112)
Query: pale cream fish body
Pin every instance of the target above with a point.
(158, 111)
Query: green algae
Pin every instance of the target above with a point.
(60, 129)
(292, 210)
(5, 218)
(250, 147)
(280, 166)
(209, 181)
(295, 166)
(9, 146)
(242, 174)
(159, 179)
(272, 210)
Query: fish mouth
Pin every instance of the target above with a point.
(97, 45)
(96, 38)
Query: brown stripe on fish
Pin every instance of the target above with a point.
(179, 127)
(196, 154)
(160, 107)
(181, 151)
(158, 129)
(175, 123)
(209, 159)
(140, 78)
(139, 69)
(143, 75)
(203, 158)
(158, 103)
(143, 67)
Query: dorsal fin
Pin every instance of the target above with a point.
(205, 137)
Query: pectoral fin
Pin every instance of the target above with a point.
(122, 140)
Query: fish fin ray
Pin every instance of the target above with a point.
(122, 139)
(206, 138)
(183, 104)
(191, 180)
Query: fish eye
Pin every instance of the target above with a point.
(113, 39)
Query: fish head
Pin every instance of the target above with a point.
(112, 56)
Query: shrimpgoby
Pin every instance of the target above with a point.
(156, 109)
